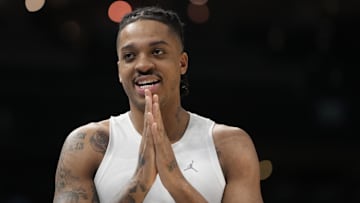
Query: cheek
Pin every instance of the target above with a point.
(122, 74)
(119, 75)
(175, 79)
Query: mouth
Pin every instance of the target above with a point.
(145, 84)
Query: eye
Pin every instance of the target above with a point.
(158, 52)
(128, 56)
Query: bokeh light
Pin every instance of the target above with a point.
(118, 9)
(198, 13)
(34, 5)
(265, 169)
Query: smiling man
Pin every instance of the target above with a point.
(157, 151)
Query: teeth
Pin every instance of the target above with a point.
(145, 86)
(146, 82)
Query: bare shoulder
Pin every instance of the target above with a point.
(240, 164)
(95, 133)
(226, 135)
(88, 142)
(234, 146)
(81, 154)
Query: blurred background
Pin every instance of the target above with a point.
(283, 70)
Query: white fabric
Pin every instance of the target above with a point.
(195, 154)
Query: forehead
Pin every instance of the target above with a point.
(143, 30)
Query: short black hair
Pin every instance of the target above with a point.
(169, 18)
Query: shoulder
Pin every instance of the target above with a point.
(87, 143)
(224, 134)
(235, 147)
(80, 157)
(92, 133)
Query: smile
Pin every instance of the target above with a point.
(147, 83)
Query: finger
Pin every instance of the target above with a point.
(155, 134)
(148, 101)
(148, 108)
(147, 123)
(150, 121)
(147, 145)
(157, 113)
(146, 133)
(157, 128)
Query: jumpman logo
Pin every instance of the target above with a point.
(191, 166)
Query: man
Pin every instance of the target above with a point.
(157, 151)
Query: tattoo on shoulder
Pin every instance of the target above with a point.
(80, 135)
(77, 143)
(99, 141)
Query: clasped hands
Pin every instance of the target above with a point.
(156, 155)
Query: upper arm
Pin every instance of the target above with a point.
(80, 156)
(240, 164)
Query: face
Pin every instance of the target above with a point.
(150, 57)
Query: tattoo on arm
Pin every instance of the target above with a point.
(129, 199)
(67, 185)
(172, 165)
(72, 196)
(99, 141)
(63, 176)
(141, 160)
(133, 191)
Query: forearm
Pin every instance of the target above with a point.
(183, 192)
(80, 194)
(136, 189)
(134, 192)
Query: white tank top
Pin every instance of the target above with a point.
(195, 154)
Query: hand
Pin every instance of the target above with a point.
(157, 155)
(146, 169)
(145, 173)
(166, 163)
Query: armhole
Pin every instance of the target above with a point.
(214, 156)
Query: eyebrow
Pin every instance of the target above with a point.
(154, 43)
(160, 42)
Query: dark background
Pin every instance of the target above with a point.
(283, 70)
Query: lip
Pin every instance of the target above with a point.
(153, 87)
(141, 90)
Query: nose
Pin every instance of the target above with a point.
(144, 64)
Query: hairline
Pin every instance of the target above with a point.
(170, 30)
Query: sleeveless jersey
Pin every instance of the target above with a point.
(195, 154)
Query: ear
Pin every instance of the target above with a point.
(183, 63)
